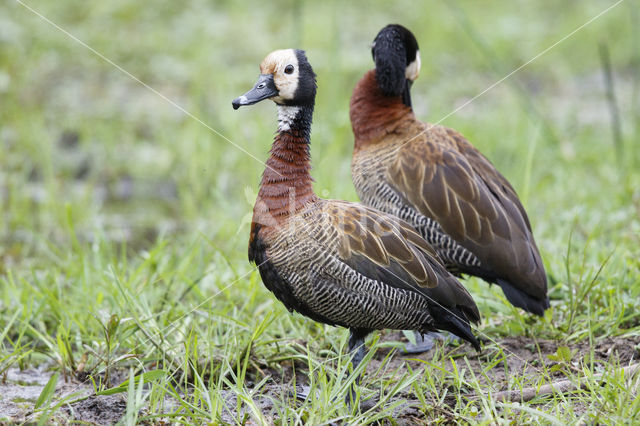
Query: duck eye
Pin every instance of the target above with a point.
(288, 69)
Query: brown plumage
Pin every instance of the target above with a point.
(338, 262)
(432, 177)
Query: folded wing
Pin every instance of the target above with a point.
(448, 180)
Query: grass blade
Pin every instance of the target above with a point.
(47, 391)
(147, 377)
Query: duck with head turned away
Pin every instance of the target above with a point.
(337, 262)
(433, 178)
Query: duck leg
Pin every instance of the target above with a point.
(357, 348)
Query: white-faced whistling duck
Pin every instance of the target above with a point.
(433, 178)
(337, 262)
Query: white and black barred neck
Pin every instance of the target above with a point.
(287, 78)
(397, 58)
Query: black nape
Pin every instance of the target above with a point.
(406, 94)
(307, 86)
(394, 48)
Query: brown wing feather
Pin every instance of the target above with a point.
(448, 180)
(380, 245)
(486, 169)
(378, 237)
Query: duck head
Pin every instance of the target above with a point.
(286, 77)
(397, 58)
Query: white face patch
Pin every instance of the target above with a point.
(413, 69)
(276, 63)
(286, 115)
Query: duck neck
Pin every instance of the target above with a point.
(375, 115)
(286, 185)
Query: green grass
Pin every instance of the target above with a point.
(124, 228)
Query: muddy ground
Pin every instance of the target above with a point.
(19, 390)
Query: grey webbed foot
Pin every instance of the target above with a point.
(301, 393)
(426, 342)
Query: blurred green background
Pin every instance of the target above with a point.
(83, 142)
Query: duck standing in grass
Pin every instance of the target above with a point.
(338, 262)
(431, 177)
